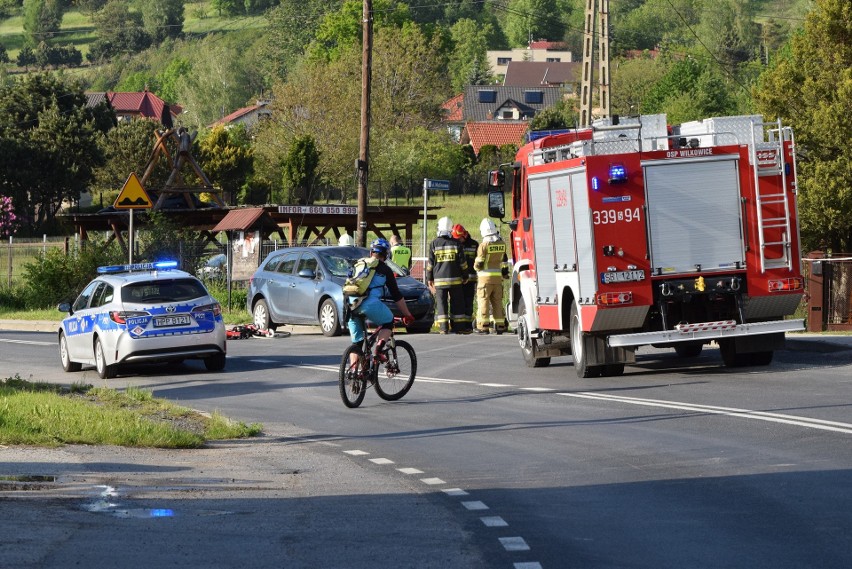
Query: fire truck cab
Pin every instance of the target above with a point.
(634, 232)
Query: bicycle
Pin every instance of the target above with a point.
(390, 371)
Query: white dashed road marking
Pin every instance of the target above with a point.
(514, 544)
(410, 471)
(475, 505)
(432, 481)
(356, 452)
(494, 521)
(455, 492)
(381, 461)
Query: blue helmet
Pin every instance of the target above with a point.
(380, 246)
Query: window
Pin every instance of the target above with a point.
(287, 264)
(82, 301)
(487, 96)
(533, 97)
(554, 59)
(172, 290)
(102, 296)
(308, 262)
(503, 60)
(508, 115)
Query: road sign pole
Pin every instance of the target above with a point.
(130, 240)
(425, 252)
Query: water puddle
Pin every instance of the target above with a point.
(26, 482)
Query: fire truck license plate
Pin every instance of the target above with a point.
(163, 321)
(622, 276)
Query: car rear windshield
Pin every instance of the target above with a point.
(174, 290)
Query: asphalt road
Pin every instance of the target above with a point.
(678, 463)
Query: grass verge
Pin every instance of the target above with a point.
(46, 414)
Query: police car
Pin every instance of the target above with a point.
(143, 312)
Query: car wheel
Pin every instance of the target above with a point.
(104, 371)
(261, 316)
(328, 318)
(215, 363)
(67, 364)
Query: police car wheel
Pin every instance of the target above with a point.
(67, 364)
(329, 321)
(104, 371)
(215, 363)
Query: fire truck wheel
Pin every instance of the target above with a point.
(688, 350)
(612, 370)
(731, 357)
(581, 364)
(527, 344)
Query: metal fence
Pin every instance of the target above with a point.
(16, 253)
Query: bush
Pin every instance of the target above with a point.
(12, 298)
(56, 277)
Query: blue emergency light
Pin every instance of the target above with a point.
(617, 174)
(158, 266)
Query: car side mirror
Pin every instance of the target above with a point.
(64, 307)
(496, 205)
(307, 274)
(513, 225)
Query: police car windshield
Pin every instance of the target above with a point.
(173, 290)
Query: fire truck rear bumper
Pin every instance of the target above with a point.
(705, 332)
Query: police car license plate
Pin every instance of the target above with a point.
(622, 276)
(165, 321)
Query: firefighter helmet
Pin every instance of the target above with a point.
(487, 228)
(346, 240)
(445, 225)
(459, 231)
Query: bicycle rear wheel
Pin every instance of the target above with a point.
(352, 380)
(396, 376)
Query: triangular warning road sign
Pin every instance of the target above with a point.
(132, 195)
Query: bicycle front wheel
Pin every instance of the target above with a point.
(396, 376)
(352, 380)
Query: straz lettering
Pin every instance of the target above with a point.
(561, 198)
(609, 216)
(445, 256)
(689, 153)
(497, 248)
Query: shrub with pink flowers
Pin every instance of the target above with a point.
(8, 218)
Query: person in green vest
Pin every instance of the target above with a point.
(400, 254)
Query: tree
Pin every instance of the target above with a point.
(527, 20)
(119, 31)
(561, 115)
(468, 62)
(162, 18)
(127, 148)
(8, 218)
(809, 86)
(225, 156)
(48, 137)
(42, 19)
(341, 30)
(4, 55)
(300, 169)
(728, 30)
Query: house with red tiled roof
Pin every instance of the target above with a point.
(479, 134)
(247, 116)
(452, 116)
(140, 104)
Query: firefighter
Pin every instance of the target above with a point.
(446, 272)
(492, 267)
(400, 254)
(469, 246)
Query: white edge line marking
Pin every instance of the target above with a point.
(540, 389)
(494, 521)
(381, 461)
(514, 544)
(432, 481)
(410, 471)
(257, 361)
(475, 505)
(497, 385)
(28, 342)
(730, 411)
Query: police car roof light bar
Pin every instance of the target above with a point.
(158, 266)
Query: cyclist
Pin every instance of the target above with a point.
(372, 307)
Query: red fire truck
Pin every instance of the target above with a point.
(633, 232)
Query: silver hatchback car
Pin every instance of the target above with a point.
(144, 312)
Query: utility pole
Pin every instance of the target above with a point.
(364, 153)
(595, 10)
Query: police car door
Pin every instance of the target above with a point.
(80, 325)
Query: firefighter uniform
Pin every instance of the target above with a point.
(492, 268)
(469, 246)
(446, 270)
